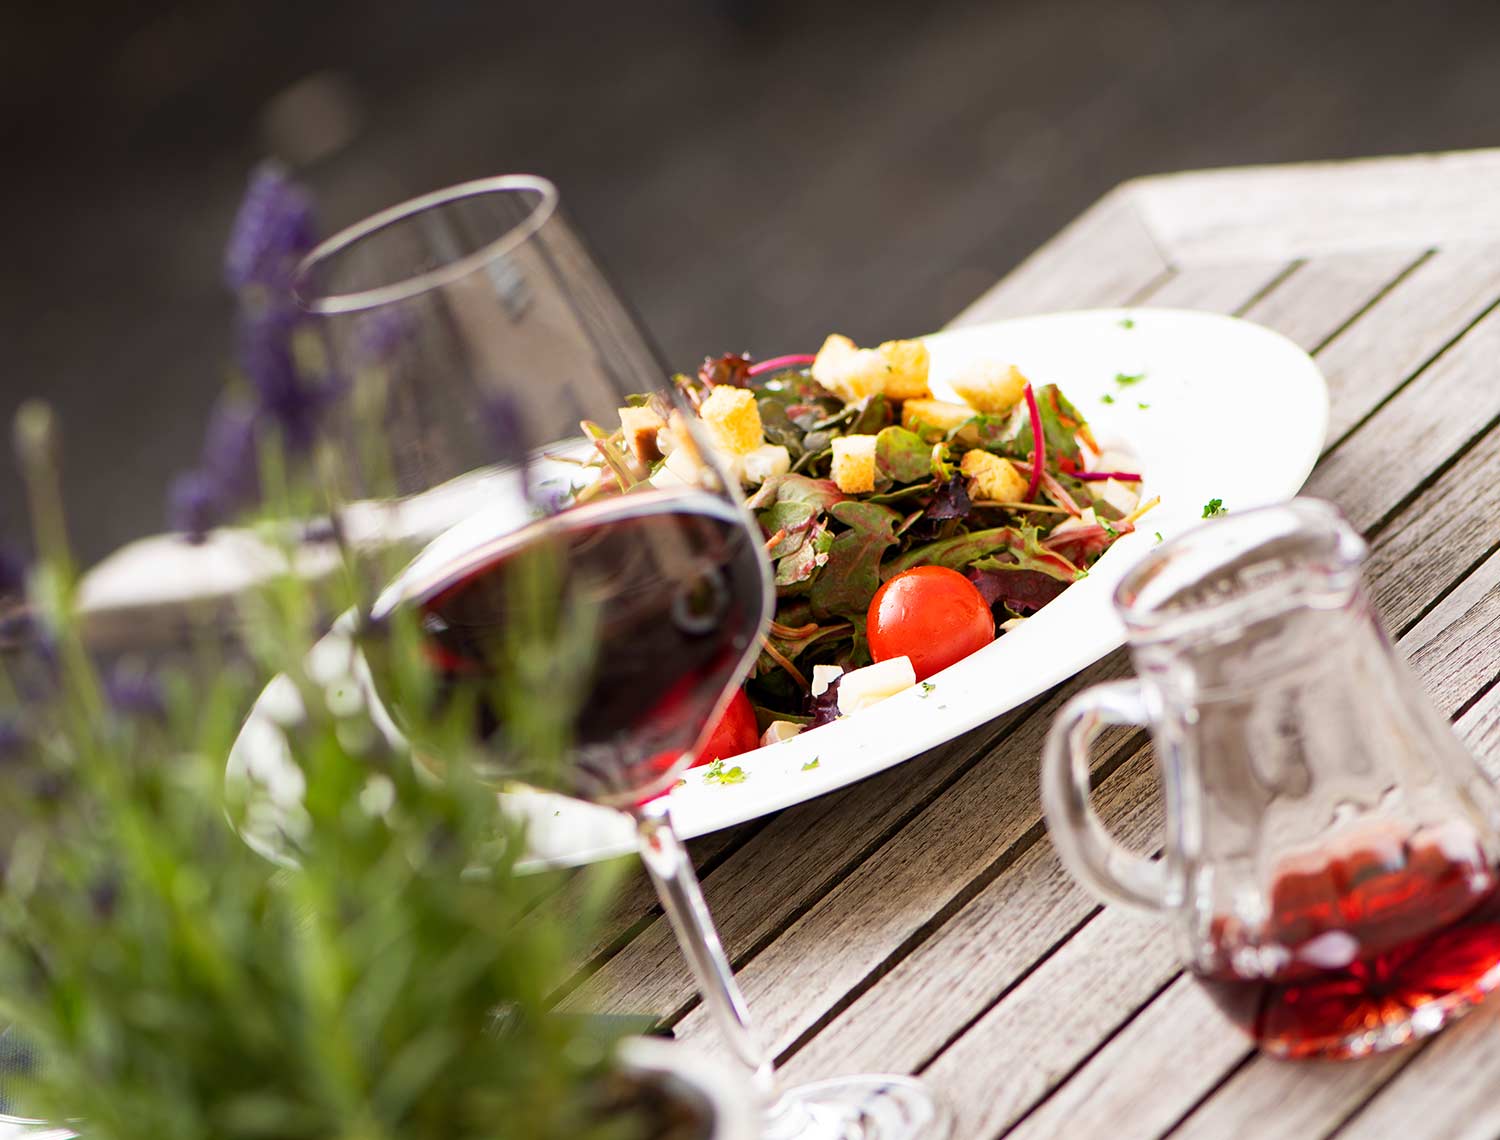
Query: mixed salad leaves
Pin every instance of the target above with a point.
(859, 477)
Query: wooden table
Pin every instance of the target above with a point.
(919, 922)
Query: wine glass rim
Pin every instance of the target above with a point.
(328, 304)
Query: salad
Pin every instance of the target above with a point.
(905, 531)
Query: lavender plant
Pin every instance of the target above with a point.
(284, 386)
(388, 977)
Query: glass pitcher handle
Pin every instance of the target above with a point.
(1084, 844)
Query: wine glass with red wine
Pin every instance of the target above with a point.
(484, 349)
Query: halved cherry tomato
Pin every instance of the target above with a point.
(735, 732)
(931, 614)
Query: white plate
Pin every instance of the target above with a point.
(1234, 412)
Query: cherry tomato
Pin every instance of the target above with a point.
(931, 614)
(735, 732)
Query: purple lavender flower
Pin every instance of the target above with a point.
(12, 572)
(133, 692)
(503, 427)
(13, 741)
(194, 504)
(231, 451)
(295, 403)
(104, 897)
(274, 228)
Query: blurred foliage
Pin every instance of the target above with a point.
(385, 973)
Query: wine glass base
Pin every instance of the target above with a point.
(859, 1108)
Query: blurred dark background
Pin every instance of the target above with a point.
(755, 173)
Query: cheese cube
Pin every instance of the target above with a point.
(823, 676)
(732, 419)
(681, 469)
(766, 460)
(641, 427)
(854, 463)
(1084, 521)
(906, 369)
(990, 387)
(1117, 497)
(939, 414)
(874, 683)
(850, 373)
(779, 730)
(995, 479)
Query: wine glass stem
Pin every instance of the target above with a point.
(681, 897)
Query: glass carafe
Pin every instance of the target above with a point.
(1331, 848)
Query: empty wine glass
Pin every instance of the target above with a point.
(475, 331)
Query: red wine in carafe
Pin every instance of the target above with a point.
(661, 594)
(1364, 950)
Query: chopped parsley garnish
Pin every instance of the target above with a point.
(1214, 508)
(1106, 399)
(927, 687)
(1126, 379)
(1143, 407)
(810, 765)
(1127, 323)
(1158, 536)
(718, 774)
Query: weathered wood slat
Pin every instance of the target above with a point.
(894, 893)
(1341, 285)
(989, 945)
(1214, 288)
(1447, 1090)
(1450, 525)
(804, 851)
(1432, 417)
(1321, 208)
(1408, 326)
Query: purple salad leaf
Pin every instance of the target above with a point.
(731, 368)
(851, 577)
(1022, 592)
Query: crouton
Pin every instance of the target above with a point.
(939, 414)
(850, 373)
(994, 479)
(854, 463)
(906, 369)
(641, 426)
(732, 420)
(990, 387)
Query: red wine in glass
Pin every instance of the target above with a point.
(671, 586)
(1364, 949)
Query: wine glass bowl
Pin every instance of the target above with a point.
(486, 362)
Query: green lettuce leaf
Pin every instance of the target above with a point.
(902, 456)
